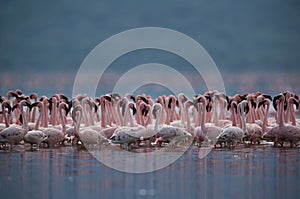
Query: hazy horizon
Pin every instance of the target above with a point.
(42, 43)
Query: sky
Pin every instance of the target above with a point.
(43, 43)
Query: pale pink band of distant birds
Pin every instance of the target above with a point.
(141, 121)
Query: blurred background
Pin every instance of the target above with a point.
(255, 44)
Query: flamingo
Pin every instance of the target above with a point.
(291, 112)
(253, 132)
(189, 126)
(87, 135)
(33, 96)
(127, 135)
(55, 135)
(4, 104)
(14, 134)
(283, 132)
(167, 133)
(205, 133)
(231, 135)
(36, 136)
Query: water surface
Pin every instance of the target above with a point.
(72, 172)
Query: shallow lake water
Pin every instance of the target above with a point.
(72, 172)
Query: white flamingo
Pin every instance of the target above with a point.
(87, 135)
(55, 135)
(253, 132)
(283, 132)
(167, 133)
(14, 133)
(203, 132)
(231, 135)
(36, 136)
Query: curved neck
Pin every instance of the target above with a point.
(242, 106)
(25, 123)
(281, 113)
(264, 127)
(41, 110)
(33, 115)
(118, 113)
(126, 114)
(103, 114)
(260, 113)
(292, 113)
(5, 117)
(63, 124)
(233, 116)
(203, 117)
(53, 113)
(186, 109)
(77, 127)
(249, 115)
(215, 113)
(157, 118)
(45, 118)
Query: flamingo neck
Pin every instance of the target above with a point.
(45, 118)
(33, 115)
(215, 113)
(91, 117)
(77, 127)
(126, 114)
(260, 113)
(172, 111)
(103, 114)
(37, 124)
(188, 122)
(292, 113)
(203, 117)
(233, 117)
(182, 113)
(118, 114)
(157, 118)
(243, 117)
(264, 127)
(53, 113)
(281, 113)
(5, 117)
(23, 115)
(63, 124)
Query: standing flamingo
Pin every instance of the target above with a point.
(284, 132)
(167, 133)
(55, 135)
(231, 135)
(36, 136)
(253, 132)
(14, 134)
(87, 135)
(203, 132)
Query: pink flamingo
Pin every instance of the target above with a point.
(231, 135)
(253, 132)
(87, 135)
(205, 133)
(291, 112)
(55, 135)
(34, 97)
(109, 131)
(167, 133)
(14, 134)
(36, 136)
(283, 132)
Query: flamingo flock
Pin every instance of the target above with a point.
(140, 121)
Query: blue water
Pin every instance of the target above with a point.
(70, 172)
